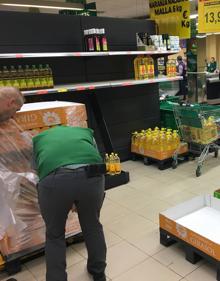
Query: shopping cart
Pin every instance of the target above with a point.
(199, 127)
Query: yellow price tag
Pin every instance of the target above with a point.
(209, 16)
(62, 90)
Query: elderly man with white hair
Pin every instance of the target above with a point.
(11, 164)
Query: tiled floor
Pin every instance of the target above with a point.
(130, 219)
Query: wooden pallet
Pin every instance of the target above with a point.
(161, 164)
(13, 262)
(192, 254)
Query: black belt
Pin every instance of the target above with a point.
(91, 170)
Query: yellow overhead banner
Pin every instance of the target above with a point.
(209, 16)
(172, 16)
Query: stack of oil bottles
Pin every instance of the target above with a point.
(113, 164)
(28, 78)
(144, 67)
(205, 135)
(156, 143)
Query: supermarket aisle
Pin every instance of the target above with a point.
(130, 218)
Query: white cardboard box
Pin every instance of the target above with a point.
(197, 222)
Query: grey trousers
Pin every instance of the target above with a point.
(57, 193)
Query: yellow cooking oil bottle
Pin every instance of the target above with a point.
(140, 68)
(169, 68)
(113, 164)
(173, 69)
(133, 142)
(162, 147)
(168, 141)
(107, 163)
(112, 171)
(117, 164)
(150, 67)
(136, 67)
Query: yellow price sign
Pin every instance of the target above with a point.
(62, 90)
(209, 16)
(172, 16)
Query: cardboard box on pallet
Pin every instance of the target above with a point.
(21, 225)
(196, 222)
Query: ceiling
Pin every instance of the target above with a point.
(123, 8)
(110, 8)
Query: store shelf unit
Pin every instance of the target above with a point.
(124, 104)
(83, 54)
(98, 85)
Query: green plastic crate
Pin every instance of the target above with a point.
(167, 115)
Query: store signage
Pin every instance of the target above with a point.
(209, 16)
(172, 16)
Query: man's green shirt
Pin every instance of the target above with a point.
(62, 146)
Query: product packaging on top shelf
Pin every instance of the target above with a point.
(95, 40)
(146, 42)
(21, 225)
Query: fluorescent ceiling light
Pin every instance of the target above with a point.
(42, 4)
(195, 16)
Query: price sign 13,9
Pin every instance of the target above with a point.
(209, 16)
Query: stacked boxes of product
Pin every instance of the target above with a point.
(21, 225)
(37, 117)
(157, 144)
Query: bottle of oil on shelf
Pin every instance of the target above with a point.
(142, 69)
(1, 79)
(6, 77)
(42, 77)
(173, 68)
(150, 67)
(49, 76)
(29, 78)
(169, 68)
(21, 78)
(136, 67)
(14, 77)
(36, 77)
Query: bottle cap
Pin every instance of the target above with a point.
(86, 32)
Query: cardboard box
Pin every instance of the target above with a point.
(196, 222)
(47, 114)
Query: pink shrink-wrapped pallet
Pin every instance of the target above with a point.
(21, 225)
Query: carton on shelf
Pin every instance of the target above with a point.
(196, 222)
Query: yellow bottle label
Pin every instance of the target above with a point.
(112, 168)
(142, 70)
(107, 167)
